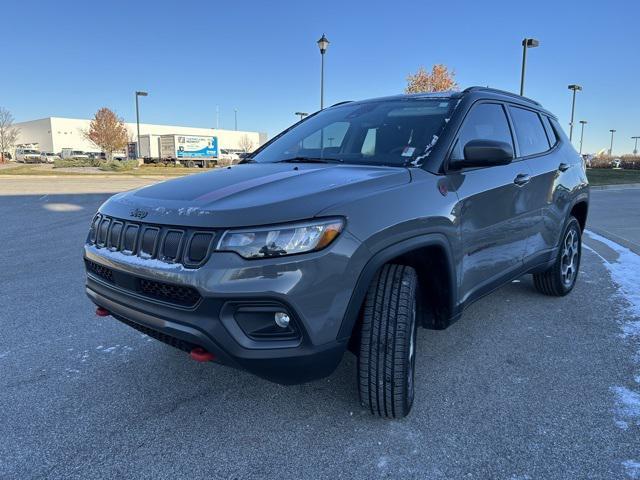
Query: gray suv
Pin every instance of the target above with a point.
(347, 231)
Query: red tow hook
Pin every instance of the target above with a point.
(102, 312)
(199, 354)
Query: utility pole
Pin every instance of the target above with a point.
(575, 88)
(526, 43)
(611, 147)
(323, 44)
(582, 123)
(138, 94)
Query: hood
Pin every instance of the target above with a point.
(252, 194)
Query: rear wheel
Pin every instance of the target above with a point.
(386, 363)
(561, 277)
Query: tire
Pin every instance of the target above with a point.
(191, 164)
(560, 278)
(386, 363)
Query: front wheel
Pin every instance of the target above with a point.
(561, 277)
(386, 363)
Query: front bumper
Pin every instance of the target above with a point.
(315, 288)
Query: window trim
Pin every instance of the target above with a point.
(456, 137)
(539, 113)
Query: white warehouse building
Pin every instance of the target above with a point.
(52, 134)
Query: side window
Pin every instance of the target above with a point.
(530, 133)
(369, 143)
(486, 121)
(551, 134)
(328, 137)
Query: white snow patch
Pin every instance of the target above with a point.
(138, 261)
(627, 408)
(383, 462)
(427, 151)
(5, 354)
(192, 211)
(632, 469)
(625, 272)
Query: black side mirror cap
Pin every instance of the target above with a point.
(484, 153)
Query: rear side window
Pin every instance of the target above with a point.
(486, 121)
(551, 134)
(532, 138)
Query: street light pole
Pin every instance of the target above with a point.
(138, 94)
(302, 114)
(582, 123)
(323, 44)
(526, 43)
(635, 149)
(575, 88)
(611, 147)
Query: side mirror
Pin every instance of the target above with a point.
(484, 153)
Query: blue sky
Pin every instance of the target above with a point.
(65, 58)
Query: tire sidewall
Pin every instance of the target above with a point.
(410, 381)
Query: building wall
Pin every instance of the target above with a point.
(36, 132)
(55, 133)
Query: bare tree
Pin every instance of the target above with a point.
(245, 143)
(438, 80)
(8, 133)
(108, 132)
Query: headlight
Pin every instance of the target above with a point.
(281, 240)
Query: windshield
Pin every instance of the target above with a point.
(387, 132)
(29, 151)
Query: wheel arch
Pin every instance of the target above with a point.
(436, 284)
(579, 210)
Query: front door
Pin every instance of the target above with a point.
(496, 220)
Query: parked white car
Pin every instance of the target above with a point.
(25, 155)
(70, 153)
(49, 157)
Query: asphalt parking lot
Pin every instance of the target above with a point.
(522, 387)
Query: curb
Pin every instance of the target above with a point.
(93, 175)
(621, 186)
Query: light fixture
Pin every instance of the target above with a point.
(282, 319)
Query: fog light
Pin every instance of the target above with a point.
(282, 319)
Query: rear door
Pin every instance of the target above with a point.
(536, 141)
(495, 218)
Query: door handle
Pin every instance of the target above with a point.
(563, 167)
(522, 179)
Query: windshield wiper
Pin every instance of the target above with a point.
(310, 160)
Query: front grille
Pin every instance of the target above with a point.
(167, 292)
(148, 244)
(164, 338)
(100, 270)
(199, 247)
(181, 295)
(187, 246)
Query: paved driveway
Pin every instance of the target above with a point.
(522, 387)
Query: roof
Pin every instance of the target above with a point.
(484, 91)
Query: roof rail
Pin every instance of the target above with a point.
(501, 92)
(341, 103)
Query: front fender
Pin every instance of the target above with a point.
(384, 256)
